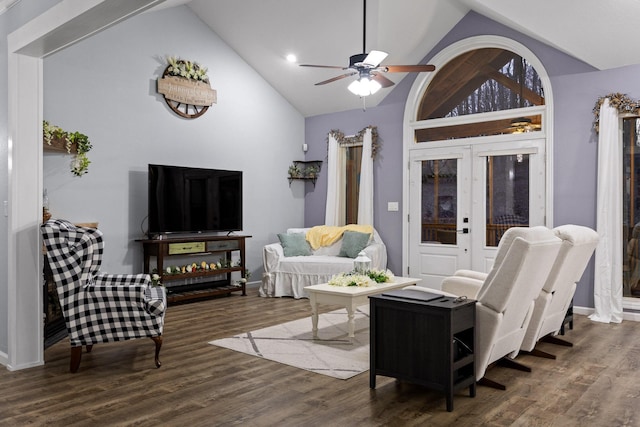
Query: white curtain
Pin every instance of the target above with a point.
(365, 193)
(335, 208)
(607, 291)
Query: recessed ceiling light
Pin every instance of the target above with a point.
(292, 58)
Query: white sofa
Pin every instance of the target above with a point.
(287, 276)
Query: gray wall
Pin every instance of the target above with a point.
(11, 20)
(105, 87)
(576, 87)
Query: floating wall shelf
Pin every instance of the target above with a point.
(305, 170)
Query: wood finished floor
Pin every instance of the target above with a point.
(595, 383)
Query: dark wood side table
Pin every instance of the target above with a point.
(424, 339)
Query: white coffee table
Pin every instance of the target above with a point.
(349, 297)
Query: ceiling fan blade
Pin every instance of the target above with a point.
(324, 66)
(374, 58)
(409, 68)
(333, 79)
(384, 82)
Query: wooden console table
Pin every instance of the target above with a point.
(423, 340)
(199, 283)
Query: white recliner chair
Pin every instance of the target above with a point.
(578, 245)
(505, 296)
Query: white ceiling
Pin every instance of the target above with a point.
(263, 32)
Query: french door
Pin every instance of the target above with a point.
(463, 198)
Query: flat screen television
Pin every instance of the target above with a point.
(194, 200)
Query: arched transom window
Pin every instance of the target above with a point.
(488, 80)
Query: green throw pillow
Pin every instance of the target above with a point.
(353, 242)
(295, 244)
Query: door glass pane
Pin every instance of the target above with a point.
(507, 195)
(439, 201)
(631, 207)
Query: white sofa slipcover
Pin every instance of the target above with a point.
(287, 276)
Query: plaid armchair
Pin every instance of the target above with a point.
(99, 307)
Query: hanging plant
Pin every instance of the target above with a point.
(80, 162)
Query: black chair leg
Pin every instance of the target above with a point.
(76, 356)
(158, 341)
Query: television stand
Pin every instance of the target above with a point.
(212, 256)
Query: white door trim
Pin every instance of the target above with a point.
(417, 90)
(26, 47)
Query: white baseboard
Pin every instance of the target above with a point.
(4, 360)
(255, 284)
(25, 366)
(585, 311)
(626, 315)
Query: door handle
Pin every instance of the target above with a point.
(463, 231)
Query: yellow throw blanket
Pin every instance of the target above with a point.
(325, 235)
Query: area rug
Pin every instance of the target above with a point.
(292, 343)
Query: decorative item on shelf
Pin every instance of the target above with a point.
(311, 172)
(294, 172)
(155, 278)
(362, 263)
(56, 139)
(195, 267)
(305, 170)
(186, 89)
(245, 279)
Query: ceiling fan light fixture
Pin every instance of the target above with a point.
(520, 121)
(364, 86)
(367, 65)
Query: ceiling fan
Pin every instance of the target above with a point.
(522, 125)
(368, 67)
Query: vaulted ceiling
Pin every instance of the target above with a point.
(263, 32)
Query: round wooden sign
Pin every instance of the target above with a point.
(187, 98)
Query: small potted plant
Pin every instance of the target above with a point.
(311, 172)
(294, 171)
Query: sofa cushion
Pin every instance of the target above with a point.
(315, 265)
(294, 244)
(353, 242)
